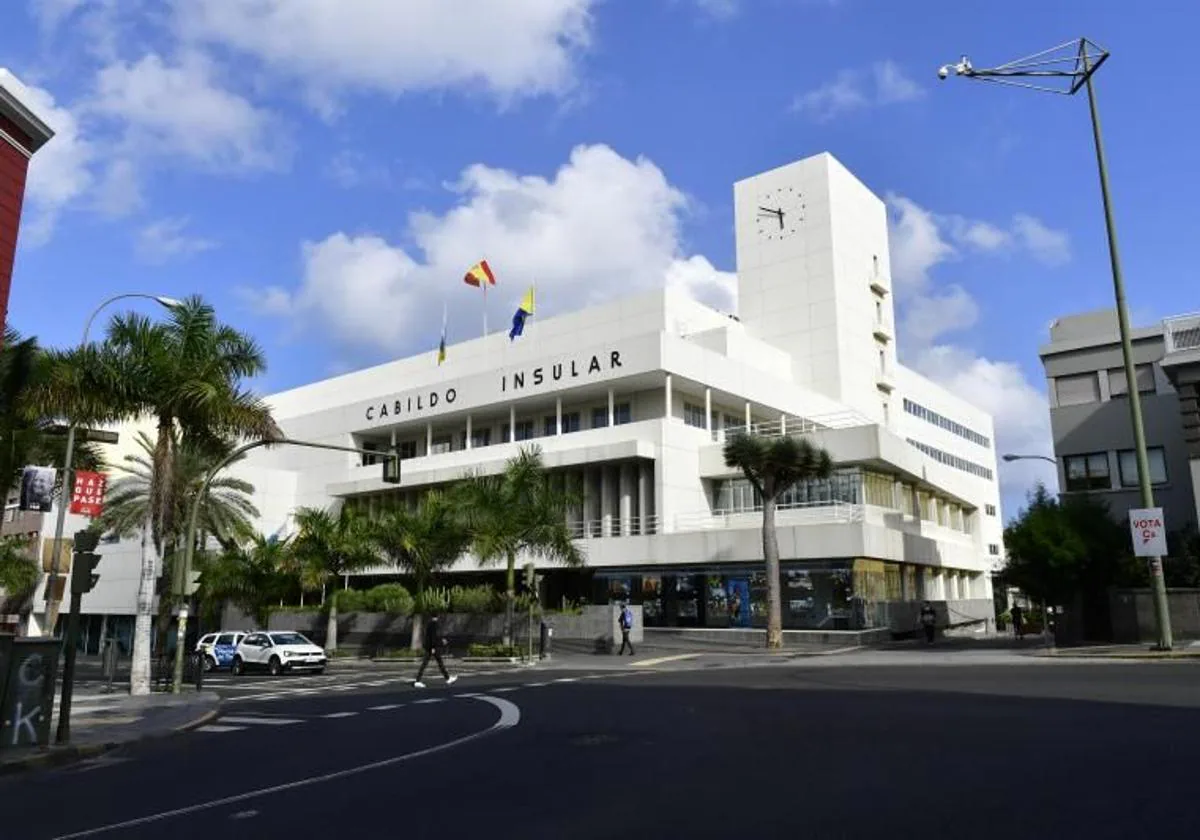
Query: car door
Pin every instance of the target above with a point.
(252, 649)
(223, 648)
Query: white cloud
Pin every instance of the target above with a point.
(884, 83)
(119, 191)
(1052, 247)
(720, 9)
(166, 240)
(602, 227)
(59, 173)
(181, 109)
(50, 13)
(928, 314)
(509, 49)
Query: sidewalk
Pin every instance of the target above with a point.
(101, 722)
(1182, 650)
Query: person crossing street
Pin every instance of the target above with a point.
(626, 626)
(434, 645)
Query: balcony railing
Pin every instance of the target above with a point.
(1182, 333)
(800, 513)
(795, 425)
(614, 526)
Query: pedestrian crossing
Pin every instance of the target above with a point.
(278, 691)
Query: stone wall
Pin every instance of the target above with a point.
(1132, 615)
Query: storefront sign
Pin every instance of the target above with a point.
(87, 496)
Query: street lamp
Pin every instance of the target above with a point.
(52, 602)
(391, 475)
(1064, 70)
(1010, 458)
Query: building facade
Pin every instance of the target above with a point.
(633, 401)
(1089, 411)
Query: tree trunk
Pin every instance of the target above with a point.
(331, 627)
(774, 596)
(139, 667)
(510, 596)
(417, 618)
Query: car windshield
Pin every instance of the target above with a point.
(289, 639)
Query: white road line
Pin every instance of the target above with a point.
(646, 663)
(510, 716)
(504, 690)
(385, 708)
(535, 685)
(339, 715)
(265, 721)
(567, 679)
(216, 727)
(377, 683)
(431, 700)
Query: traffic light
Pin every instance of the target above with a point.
(391, 467)
(86, 541)
(83, 572)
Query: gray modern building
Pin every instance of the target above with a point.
(1089, 411)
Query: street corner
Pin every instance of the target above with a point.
(31, 759)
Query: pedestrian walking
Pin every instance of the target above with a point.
(434, 644)
(1018, 620)
(929, 621)
(626, 622)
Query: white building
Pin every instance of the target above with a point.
(635, 399)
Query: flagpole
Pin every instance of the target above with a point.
(485, 285)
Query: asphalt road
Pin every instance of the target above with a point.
(821, 750)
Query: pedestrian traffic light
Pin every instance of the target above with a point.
(83, 572)
(391, 467)
(192, 583)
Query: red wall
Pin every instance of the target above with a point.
(13, 166)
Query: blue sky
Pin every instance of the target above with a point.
(324, 170)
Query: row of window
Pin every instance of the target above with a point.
(952, 460)
(1084, 388)
(1092, 471)
(930, 416)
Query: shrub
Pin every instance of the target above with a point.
(432, 600)
(490, 650)
(389, 598)
(473, 599)
(350, 600)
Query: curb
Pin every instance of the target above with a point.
(52, 757)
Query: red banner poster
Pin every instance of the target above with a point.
(87, 497)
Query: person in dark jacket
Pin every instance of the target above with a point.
(434, 644)
(929, 621)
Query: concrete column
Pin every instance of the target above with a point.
(643, 498)
(708, 411)
(783, 424)
(610, 407)
(590, 503)
(558, 416)
(626, 499)
(428, 438)
(470, 445)
(393, 437)
(512, 423)
(747, 418)
(606, 500)
(670, 407)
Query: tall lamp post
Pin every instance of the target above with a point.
(391, 475)
(1011, 458)
(52, 600)
(1065, 70)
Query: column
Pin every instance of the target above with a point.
(589, 502)
(610, 406)
(626, 507)
(558, 416)
(606, 499)
(428, 438)
(783, 424)
(393, 437)
(643, 499)
(708, 411)
(747, 417)
(512, 423)
(670, 408)
(469, 443)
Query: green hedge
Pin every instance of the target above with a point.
(488, 650)
(474, 600)
(385, 598)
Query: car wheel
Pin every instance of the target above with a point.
(274, 667)
(238, 667)
(211, 664)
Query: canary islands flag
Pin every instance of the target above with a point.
(479, 275)
(525, 310)
(441, 357)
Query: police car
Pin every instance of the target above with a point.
(218, 649)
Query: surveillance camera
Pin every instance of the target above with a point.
(943, 72)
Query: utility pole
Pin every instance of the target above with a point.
(83, 579)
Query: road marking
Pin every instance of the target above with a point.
(244, 815)
(646, 663)
(265, 721)
(567, 679)
(377, 683)
(510, 716)
(339, 715)
(430, 700)
(536, 685)
(216, 727)
(386, 708)
(504, 690)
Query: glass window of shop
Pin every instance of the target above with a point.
(737, 495)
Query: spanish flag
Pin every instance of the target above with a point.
(525, 310)
(480, 275)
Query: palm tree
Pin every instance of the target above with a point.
(772, 465)
(422, 542)
(333, 543)
(251, 576)
(519, 511)
(19, 573)
(187, 373)
(225, 513)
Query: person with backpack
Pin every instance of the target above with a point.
(626, 622)
(434, 644)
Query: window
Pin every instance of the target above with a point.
(990, 510)
(440, 445)
(878, 312)
(875, 264)
(570, 422)
(942, 422)
(1127, 461)
(693, 415)
(550, 426)
(622, 414)
(1080, 389)
(1119, 387)
(952, 460)
(524, 430)
(367, 458)
(887, 416)
(599, 417)
(407, 449)
(733, 422)
(1087, 472)
(481, 437)
(993, 549)
(882, 362)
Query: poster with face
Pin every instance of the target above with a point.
(37, 488)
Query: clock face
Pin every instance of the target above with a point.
(779, 212)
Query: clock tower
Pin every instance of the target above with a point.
(814, 279)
